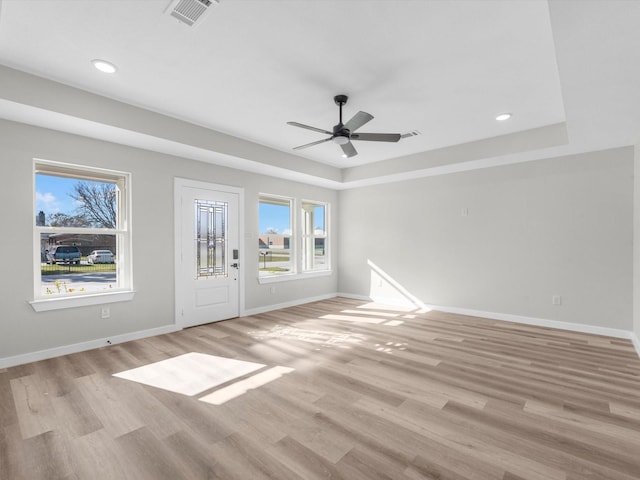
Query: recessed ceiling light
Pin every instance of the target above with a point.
(503, 116)
(104, 66)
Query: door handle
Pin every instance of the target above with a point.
(235, 265)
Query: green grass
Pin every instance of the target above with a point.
(274, 269)
(61, 268)
(274, 258)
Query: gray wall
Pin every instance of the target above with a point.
(636, 247)
(23, 331)
(562, 226)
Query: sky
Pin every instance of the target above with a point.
(276, 217)
(52, 195)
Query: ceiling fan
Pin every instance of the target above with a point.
(343, 134)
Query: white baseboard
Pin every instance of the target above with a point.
(293, 303)
(80, 347)
(540, 322)
(636, 342)
(101, 342)
(393, 302)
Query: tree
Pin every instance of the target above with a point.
(272, 231)
(97, 203)
(63, 220)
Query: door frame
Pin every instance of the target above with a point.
(179, 185)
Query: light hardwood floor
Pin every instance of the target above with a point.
(377, 392)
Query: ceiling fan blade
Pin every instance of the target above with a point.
(358, 120)
(349, 150)
(301, 125)
(312, 143)
(377, 137)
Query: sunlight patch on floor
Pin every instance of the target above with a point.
(241, 387)
(389, 347)
(353, 318)
(191, 373)
(361, 319)
(393, 323)
(318, 337)
(376, 312)
(381, 307)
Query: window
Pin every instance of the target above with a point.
(314, 236)
(81, 234)
(275, 248)
(287, 247)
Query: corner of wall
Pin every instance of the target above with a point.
(635, 339)
(636, 247)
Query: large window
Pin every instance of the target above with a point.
(81, 231)
(287, 247)
(276, 255)
(314, 236)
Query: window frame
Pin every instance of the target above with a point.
(312, 236)
(293, 256)
(122, 232)
(297, 271)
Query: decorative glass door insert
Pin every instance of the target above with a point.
(210, 239)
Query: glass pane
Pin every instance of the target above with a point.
(77, 263)
(314, 242)
(203, 258)
(274, 239)
(210, 239)
(319, 219)
(320, 254)
(73, 202)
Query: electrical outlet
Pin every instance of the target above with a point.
(556, 300)
(105, 312)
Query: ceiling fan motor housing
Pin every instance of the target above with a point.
(341, 135)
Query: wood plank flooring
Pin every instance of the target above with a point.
(377, 393)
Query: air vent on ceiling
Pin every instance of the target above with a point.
(412, 133)
(189, 11)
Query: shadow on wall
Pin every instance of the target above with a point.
(384, 289)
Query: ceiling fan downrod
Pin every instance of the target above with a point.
(340, 101)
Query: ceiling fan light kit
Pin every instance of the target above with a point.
(343, 134)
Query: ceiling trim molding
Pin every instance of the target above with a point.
(68, 109)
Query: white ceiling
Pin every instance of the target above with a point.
(444, 68)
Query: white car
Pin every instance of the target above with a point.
(100, 256)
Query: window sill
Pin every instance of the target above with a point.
(288, 277)
(58, 303)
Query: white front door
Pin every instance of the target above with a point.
(207, 253)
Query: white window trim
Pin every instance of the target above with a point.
(125, 292)
(297, 272)
(292, 243)
(80, 300)
(288, 277)
(325, 236)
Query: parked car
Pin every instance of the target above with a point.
(100, 256)
(64, 254)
